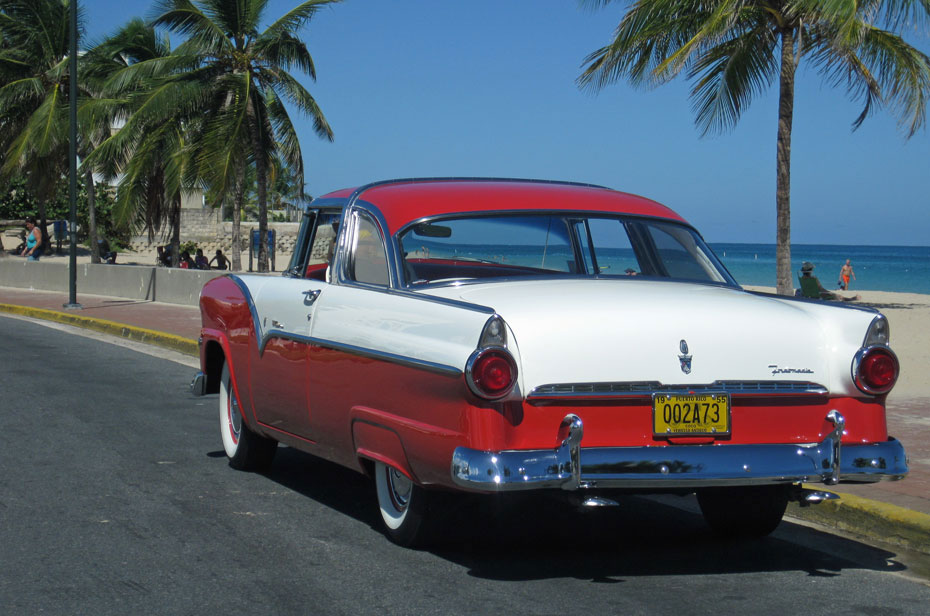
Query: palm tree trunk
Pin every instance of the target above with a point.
(43, 226)
(175, 218)
(92, 217)
(238, 197)
(783, 279)
(261, 174)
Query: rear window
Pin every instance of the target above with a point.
(555, 244)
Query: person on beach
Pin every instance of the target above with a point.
(811, 287)
(200, 261)
(222, 262)
(163, 258)
(33, 249)
(845, 273)
(186, 261)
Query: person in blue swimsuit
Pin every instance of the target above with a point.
(33, 249)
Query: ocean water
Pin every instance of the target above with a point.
(904, 269)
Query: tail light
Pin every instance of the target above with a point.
(491, 373)
(875, 370)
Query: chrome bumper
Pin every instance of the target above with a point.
(571, 467)
(199, 384)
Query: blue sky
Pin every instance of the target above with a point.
(418, 88)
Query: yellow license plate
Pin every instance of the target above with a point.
(691, 414)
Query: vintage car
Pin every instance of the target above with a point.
(486, 335)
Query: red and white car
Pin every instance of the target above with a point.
(487, 335)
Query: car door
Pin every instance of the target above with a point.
(285, 309)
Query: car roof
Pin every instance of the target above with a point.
(401, 202)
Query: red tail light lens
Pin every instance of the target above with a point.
(491, 373)
(875, 370)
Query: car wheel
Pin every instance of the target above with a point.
(246, 450)
(403, 506)
(744, 512)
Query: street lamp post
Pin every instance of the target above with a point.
(72, 159)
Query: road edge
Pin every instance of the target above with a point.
(875, 520)
(180, 344)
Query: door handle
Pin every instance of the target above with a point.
(310, 296)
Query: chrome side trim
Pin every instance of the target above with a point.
(263, 337)
(403, 360)
(636, 389)
(571, 467)
(448, 301)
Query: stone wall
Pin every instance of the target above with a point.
(205, 228)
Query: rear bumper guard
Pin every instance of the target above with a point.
(572, 467)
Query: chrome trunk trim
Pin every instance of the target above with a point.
(644, 389)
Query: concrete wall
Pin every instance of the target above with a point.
(160, 284)
(209, 233)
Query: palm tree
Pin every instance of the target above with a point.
(246, 74)
(34, 92)
(286, 189)
(734, 49)
(152, 153)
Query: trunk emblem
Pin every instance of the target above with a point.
(684, 359)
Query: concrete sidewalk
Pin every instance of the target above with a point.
(893, 512)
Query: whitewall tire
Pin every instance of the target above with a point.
(403, 505)
(245, 449)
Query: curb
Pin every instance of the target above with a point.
(876, 520)
(137, 334)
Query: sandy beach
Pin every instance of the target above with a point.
(908, 314)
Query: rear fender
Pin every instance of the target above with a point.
(380, 444)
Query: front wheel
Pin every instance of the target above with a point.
(744, 512)
(403, 505)
(246, 450)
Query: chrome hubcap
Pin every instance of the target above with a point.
(235, 418)
(400, 488)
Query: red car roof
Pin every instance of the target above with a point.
(404, 201)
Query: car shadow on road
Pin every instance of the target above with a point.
(525, 536)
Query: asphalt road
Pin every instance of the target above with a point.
(115, 498)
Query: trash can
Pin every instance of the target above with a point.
(61, 231)
(253, 246)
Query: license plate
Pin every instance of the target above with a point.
(691, 414)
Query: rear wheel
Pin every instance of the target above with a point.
(246, 450)
(404, 506)
(744, 512)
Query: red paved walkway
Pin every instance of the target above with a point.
(169, 318)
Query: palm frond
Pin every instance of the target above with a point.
(729, 75)
(294, 92)
(184, 18)
(286, 51)
(295, 19)
(288, 143)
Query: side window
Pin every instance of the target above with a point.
(612, 248)
(324, 242)
(369, 260)
(680, 254)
